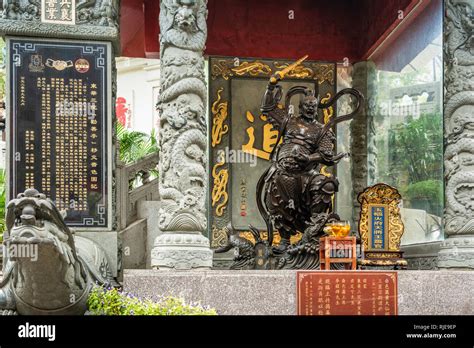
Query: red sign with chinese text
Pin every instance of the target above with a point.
(347, 293)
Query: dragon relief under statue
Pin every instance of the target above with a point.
(292, 195)
(56, 270)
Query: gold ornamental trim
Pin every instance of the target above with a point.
(225, 68)
(388, 262)
(276, 238)
(323, 72)
(255, 68)
(219, 194)
(219, 236)
(328, 112)
(382, 255)
(59, 65)
(381, 195)
(299, 72)
(220, 68)
(219, 116)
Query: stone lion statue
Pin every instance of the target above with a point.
(47, 269)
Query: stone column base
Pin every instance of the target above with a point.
(457, 252)
(181, 251)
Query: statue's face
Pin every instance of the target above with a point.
(185, 19)
(309, 108)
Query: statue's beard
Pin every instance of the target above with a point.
(309, 117)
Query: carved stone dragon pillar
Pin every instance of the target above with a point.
(183, 141)
(457, 251)
(363, 152)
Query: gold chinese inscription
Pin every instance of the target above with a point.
(30, 159)
(380, 226)
(75, 105)
(219, 189)
(268, 142)
(378, 221)
(347, 293)
(219, 113)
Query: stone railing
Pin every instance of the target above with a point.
(127, 195)
(431, 105)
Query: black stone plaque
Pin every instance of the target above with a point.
(60, 126)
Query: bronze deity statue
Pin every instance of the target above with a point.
(292, 194)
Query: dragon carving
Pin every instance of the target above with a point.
(182, 108)
(459, 119)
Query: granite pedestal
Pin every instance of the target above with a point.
(274, 292)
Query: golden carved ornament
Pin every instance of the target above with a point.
(323, 72)
(382, 255)
(299, 71)
(59, 65)
(381, 194)
(276, 238)
(324, 171)
(219, 237)
(219, 116)
(388, 262)
(224, 69)
(328, 112)
(219, 193)
(255, 68)
(220, 68)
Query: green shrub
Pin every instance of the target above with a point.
(429, 189)
(426, 195)
(110, 301)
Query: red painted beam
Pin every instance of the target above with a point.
(132, 28)
(411, 38)
(409, 14)
(323, 29)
